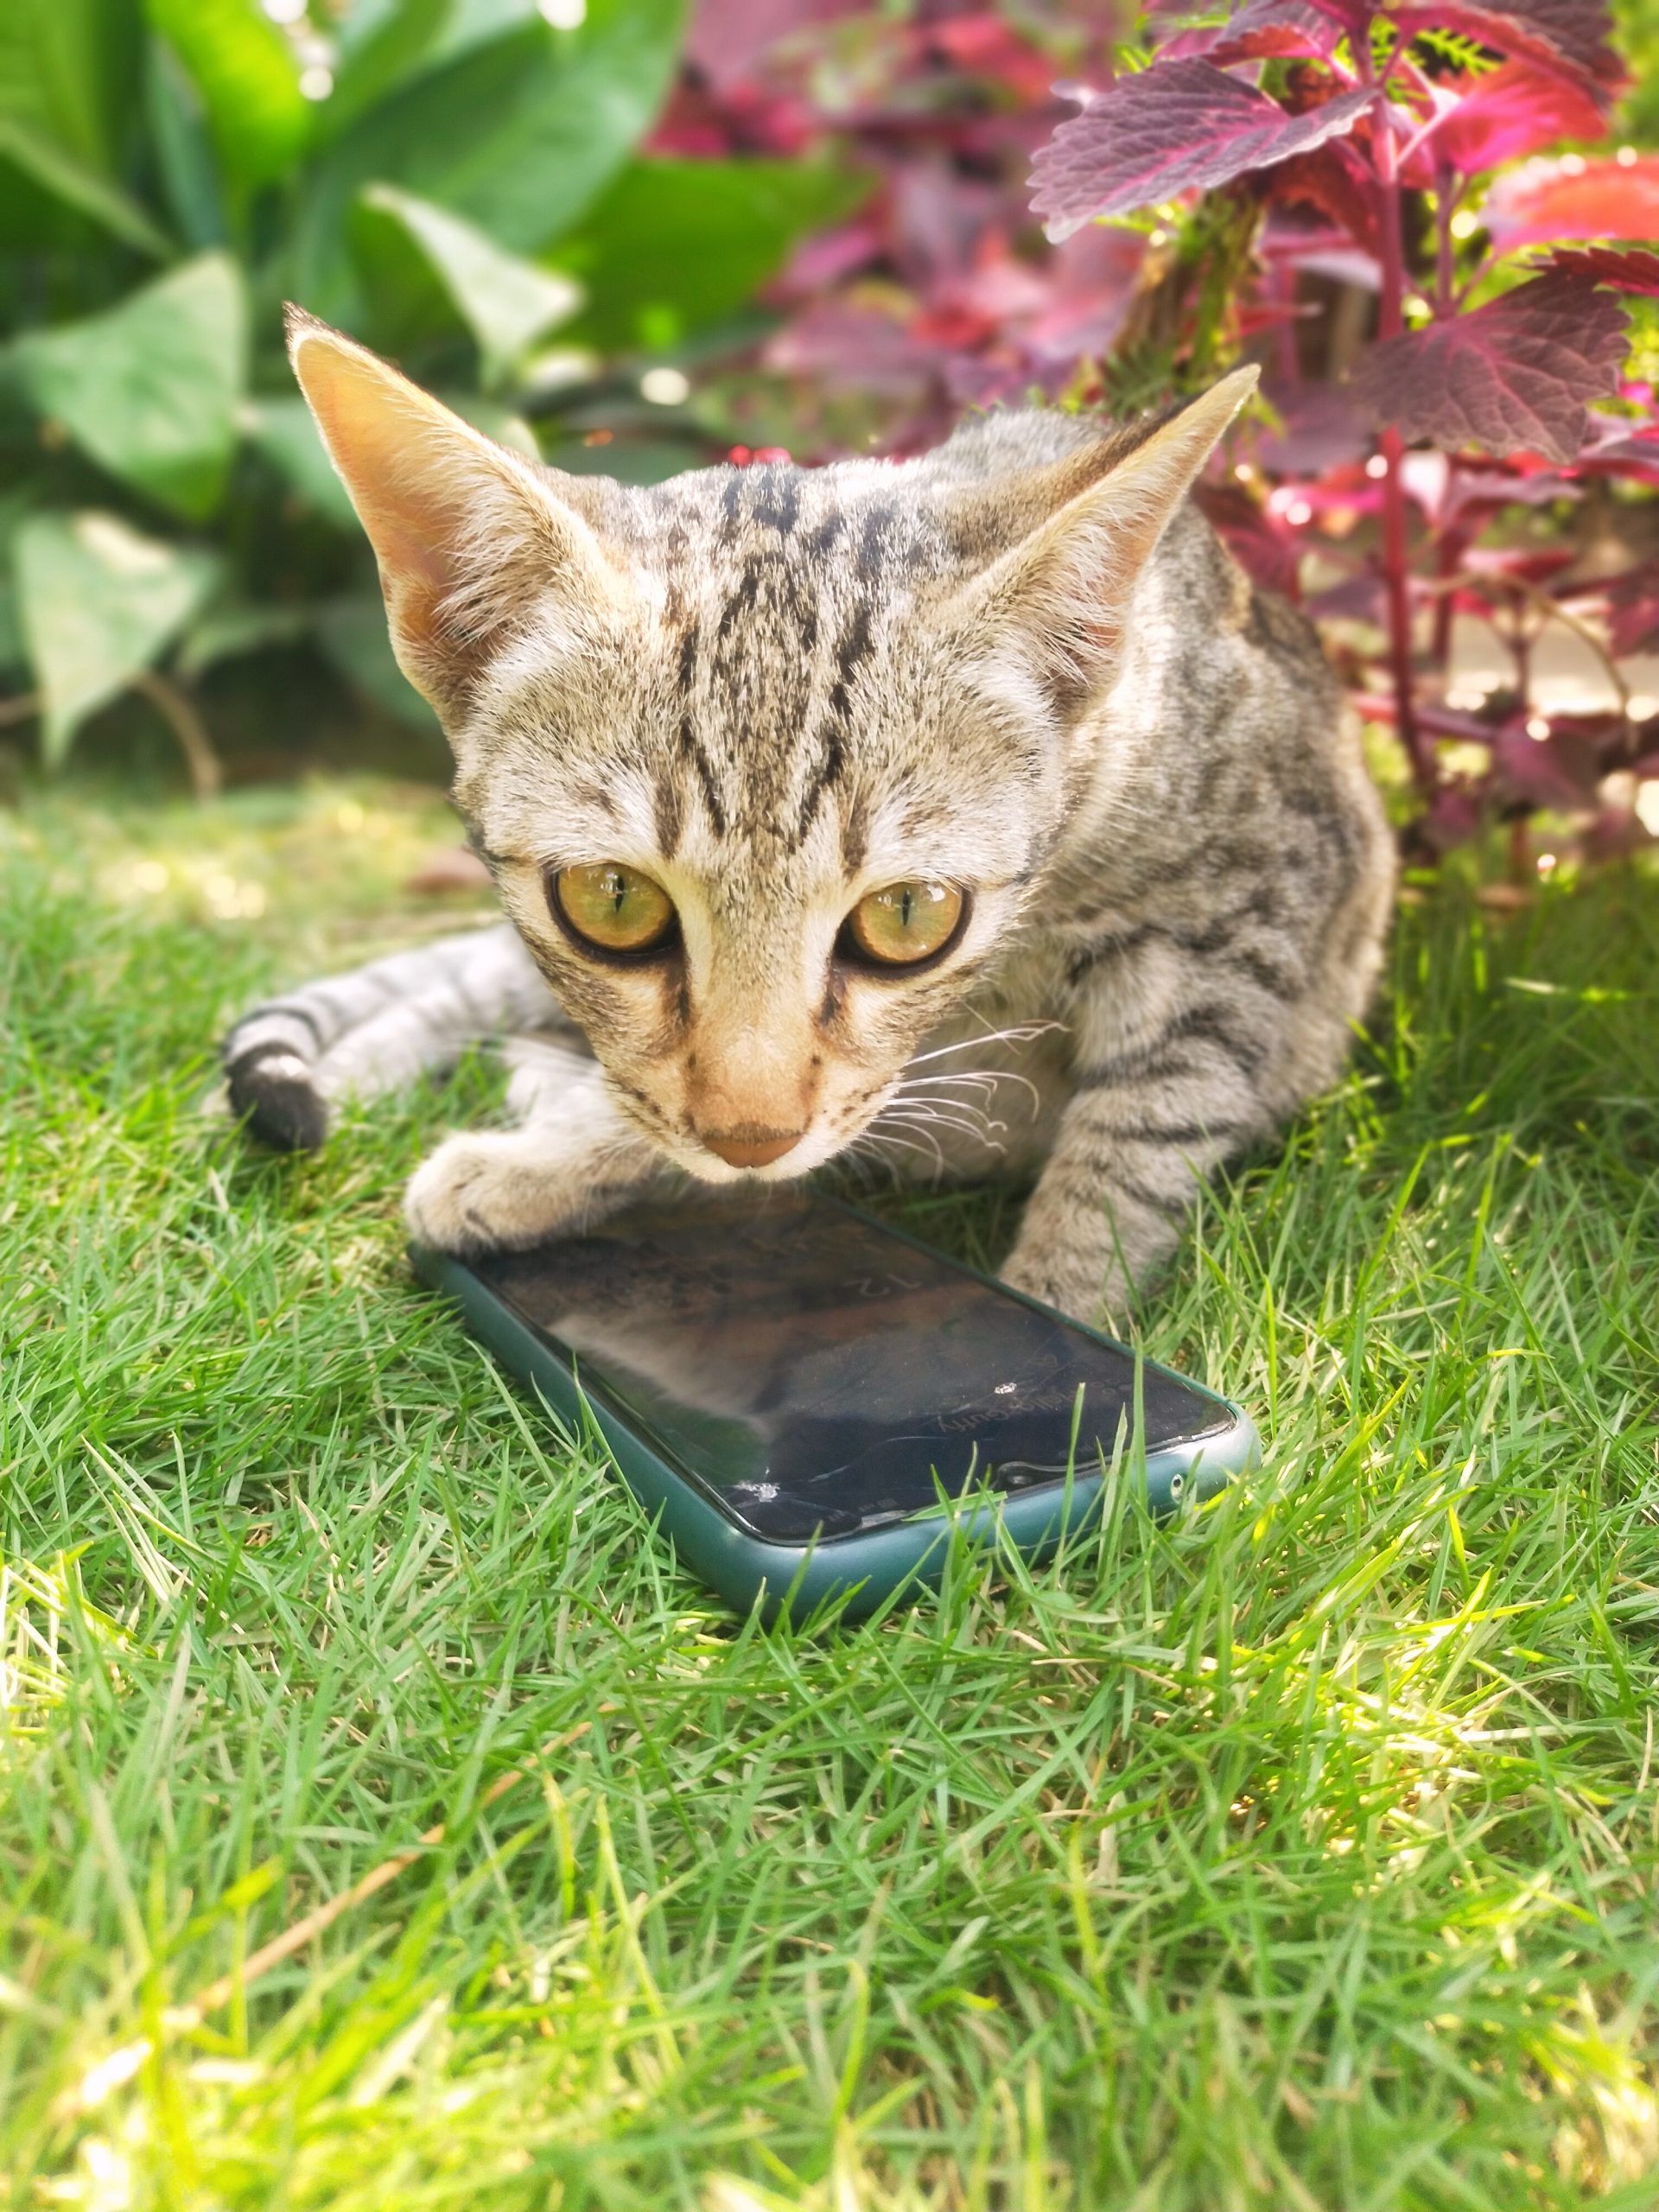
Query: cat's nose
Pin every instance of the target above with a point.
(749, 1145)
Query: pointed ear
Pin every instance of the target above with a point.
(1055, 601)
(470, 538)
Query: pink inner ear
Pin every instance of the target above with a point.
(386, 440)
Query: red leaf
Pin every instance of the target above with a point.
(1175, 127)
(1574, 199)
(1606, 264)
(1633, 611)
(1325, 180)
(1262, 547)
(1569, 37)
(1516, 110)
(1261, 29)
(1322, 429)
(1560, 770)
(1513, 377)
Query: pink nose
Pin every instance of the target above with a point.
(749, 1145)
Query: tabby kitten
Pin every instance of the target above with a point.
(975, 809)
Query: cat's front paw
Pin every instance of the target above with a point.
(1067, 1282)
(494, 1193)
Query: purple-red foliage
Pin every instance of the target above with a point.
(940, 293)
(1484, 384)
(1475, 383)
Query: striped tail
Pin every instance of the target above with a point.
(413, 1013)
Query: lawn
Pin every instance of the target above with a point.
(1301, 1853)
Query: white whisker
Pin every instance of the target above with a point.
(989, 1079)
(1020, 1033)
(926, 1114)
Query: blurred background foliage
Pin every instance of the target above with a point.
(460, 183)
(627, 235)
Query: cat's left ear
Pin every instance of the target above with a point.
(1056, 600)
(472, 541)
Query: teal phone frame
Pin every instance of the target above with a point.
(866, 1568)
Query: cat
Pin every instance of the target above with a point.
(975, 811)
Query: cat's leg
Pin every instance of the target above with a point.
(374, 1028)
(571, 1162)
(1145, 1126)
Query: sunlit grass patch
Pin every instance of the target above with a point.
(1301, 1852)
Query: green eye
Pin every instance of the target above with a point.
(904, 923)
(612, 907)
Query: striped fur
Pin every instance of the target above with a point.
(1022, 663)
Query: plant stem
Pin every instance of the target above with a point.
(1449, 544)
(178, 710)
(1391, 323)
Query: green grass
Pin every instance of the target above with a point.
(1301, 1853)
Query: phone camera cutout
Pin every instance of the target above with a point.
(1177, 1484)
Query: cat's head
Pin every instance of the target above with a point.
(767, 762)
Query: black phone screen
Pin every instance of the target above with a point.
(811, 1371)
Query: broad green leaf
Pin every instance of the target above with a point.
(352, 632)
(517, 135)
(65, 72)
(67, 178)
(505, 301)
(381, 43)
(495, 421)
(630, 461)
(245, 71)
(149, 390)
(225, 631)
(11, 636)
(66, 69)
(13, 511)
(687, 242)
(98, 603)
(283, 431)
(190, 180)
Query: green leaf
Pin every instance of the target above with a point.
(381, 43)
(245, 72)
(13, 511)
(283, 431)
(98, 603)
(66, 68)
(149, 390)
(505, 301)
(225, 631)
(495, 421)
(182, 150)
(61, 173)
(63, 71)
(685, 244)
(517, 135)
(352, 632)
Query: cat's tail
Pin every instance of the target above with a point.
(288, 1061)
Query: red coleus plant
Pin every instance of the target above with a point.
(1359, 137)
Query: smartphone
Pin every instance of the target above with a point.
(808, 1400)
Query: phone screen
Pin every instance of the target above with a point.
(811, 1372)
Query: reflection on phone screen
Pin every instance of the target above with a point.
(814, 1372)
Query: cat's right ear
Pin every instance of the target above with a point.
(1053, 606)
(470, 538)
